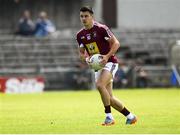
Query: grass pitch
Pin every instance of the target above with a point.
(158, 111)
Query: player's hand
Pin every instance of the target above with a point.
(87, 59)
(104, 60)
(88, 62)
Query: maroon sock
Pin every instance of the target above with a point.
(125, 112)
(108, 109)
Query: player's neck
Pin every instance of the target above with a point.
(89, 26)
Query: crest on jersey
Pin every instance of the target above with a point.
(88, 36)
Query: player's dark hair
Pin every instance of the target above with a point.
(86, 8)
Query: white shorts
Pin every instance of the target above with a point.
(111, 67)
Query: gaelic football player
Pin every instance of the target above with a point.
(97, 38)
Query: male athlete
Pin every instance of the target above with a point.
(97, 38)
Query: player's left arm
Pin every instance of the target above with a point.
(114, 46)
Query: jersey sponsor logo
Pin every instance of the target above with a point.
(92, 48)
(83, 37)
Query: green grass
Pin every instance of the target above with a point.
(158, 111)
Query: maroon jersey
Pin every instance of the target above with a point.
(94, 40)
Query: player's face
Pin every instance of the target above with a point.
(86, 19)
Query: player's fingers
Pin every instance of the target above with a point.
(103, 62)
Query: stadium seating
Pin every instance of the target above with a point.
(31, 52)
(153, 48)
(152, 45)
(52, 56)
(28, 56)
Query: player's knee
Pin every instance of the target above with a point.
(111, 100)
(99, 86)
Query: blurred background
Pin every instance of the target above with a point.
(38, 49)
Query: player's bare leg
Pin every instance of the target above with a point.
(115, 103)
(101, 84)
(118, 105)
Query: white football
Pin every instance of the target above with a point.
(95, 61)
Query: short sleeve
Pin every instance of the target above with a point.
(106, 32)
(79, 41)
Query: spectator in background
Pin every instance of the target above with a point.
(173, 79)
(142, 78)
(121, 77)
(82, 78)
(25, 25)
(44, 26)
(142, 75)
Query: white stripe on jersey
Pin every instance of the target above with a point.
(81, 45)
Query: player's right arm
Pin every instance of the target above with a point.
(83, 55)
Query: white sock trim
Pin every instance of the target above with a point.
(109, 115)
(130, 116)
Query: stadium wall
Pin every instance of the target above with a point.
(148, 14)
